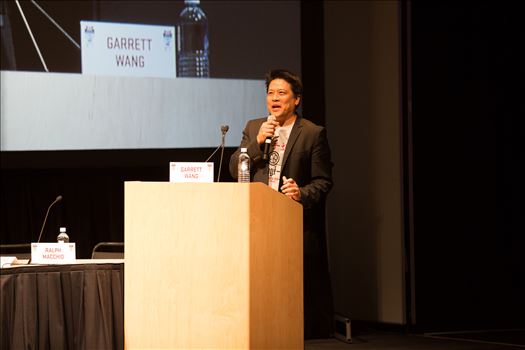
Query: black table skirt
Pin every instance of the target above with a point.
(62, 307)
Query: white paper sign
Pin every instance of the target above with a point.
(53, 253)
(191, 172)
(128, 49)
(6, 261)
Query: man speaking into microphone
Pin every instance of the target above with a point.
(291, 154)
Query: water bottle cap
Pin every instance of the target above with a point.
(244, 150)
(62, 229)
(191, 2)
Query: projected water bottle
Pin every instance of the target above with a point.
(192, 42)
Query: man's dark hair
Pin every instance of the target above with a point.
(289, 77)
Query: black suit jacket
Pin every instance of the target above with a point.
(306, 160)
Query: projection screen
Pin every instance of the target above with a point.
(64, 109)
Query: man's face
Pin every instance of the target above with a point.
(280, 100)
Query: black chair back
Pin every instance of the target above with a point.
(108, 250)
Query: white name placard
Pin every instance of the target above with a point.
(128, 49)
(53, 253)
(191, 172)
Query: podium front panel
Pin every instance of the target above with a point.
(206, 267)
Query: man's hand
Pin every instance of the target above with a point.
(291, 189)
(266, 130)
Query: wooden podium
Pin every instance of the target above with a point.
(212, 265)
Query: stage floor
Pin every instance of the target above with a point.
(376, 340)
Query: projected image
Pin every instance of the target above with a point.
(24, 30)
(177, 71)
(229, 39)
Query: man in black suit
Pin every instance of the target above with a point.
(299, 166)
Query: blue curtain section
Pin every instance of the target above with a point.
(62, 307)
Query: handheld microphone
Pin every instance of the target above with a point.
(58, 199)
(224, 130)
(268, 142)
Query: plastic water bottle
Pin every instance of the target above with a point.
(192, 42)
(243, 168)
(62, 236)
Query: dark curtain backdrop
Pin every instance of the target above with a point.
(468, 142)
(92, 187)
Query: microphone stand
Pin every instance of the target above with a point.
(222, 154)
(224, 130)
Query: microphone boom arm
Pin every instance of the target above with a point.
(58, 199)
(213, 153)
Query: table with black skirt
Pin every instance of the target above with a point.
(77, 306)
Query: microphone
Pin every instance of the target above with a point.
(224, 130)
(58, 199)
(268, 142)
